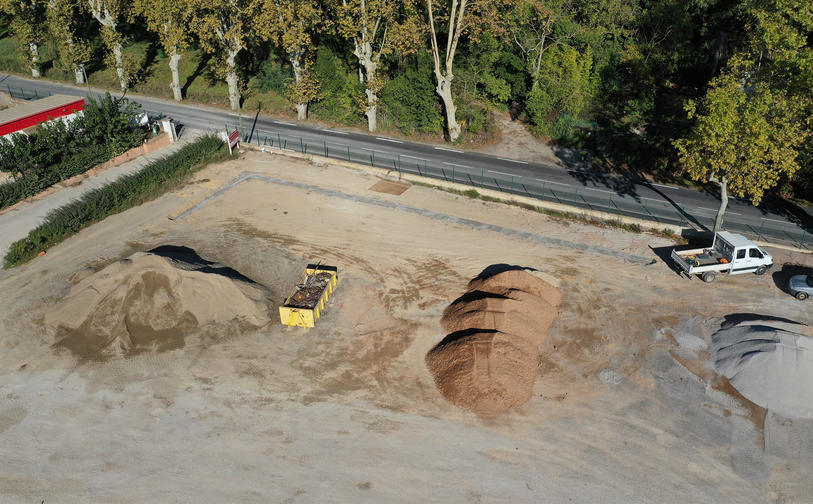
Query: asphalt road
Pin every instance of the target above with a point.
(780, 223)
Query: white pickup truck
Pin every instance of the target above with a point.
(729, 253)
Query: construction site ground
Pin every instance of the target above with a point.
(625, 408)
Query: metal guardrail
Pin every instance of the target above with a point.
(661, 212)
(19, 93)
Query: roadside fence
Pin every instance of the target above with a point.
(656, 211)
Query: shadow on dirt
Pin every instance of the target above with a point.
(782, 276)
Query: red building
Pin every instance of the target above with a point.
(19, 117)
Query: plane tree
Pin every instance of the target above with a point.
(747, 136)
(110, 14)
(170, 20)
(65, 27)
(461, 18)
(290, 24)
(375, 28)
(225, 27)
(27, 20)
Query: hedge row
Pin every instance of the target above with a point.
(126, 192)
(37, 181)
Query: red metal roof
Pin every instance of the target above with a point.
(28, 114)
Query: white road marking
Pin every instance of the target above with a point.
(286, 123)
(333, 131)
(552, 182)
(715, 211)
(774, 220)
(376, 150)
(389, 140)
(666, 186)
(513, 160)
(413, 157)
(449, 150)
(502, 173)
(462, 166)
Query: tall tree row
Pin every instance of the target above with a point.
(720, 90)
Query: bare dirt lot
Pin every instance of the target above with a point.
(625, 407)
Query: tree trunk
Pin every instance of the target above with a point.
(538, 64)
(301, 108)
(231, 80)
(718, 221)
(370, 112)
(117, 57)
(364, 52)
(35, 59)
(444, 89)
(174, 59)
(79, 73)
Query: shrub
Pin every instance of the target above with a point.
(272, 76)
(59, 150)
(410, 101)
(32, 183)
(341, 92)
(126, 192)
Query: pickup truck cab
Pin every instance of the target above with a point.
(730, 253)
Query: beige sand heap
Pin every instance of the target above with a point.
(149, 301)
(488, 361)
(770, 362)
(487, 373)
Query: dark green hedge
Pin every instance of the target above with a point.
(126, 192)
(39, 180)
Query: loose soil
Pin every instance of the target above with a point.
(487, 361)
(348, 411)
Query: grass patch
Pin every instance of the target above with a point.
(127, 192)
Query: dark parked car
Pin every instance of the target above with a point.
(801, 286)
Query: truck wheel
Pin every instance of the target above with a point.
(801, 296)
(708, 277)
(761, 270)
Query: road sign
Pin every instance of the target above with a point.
(234, 140)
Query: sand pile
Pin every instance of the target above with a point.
(770, 362)
(487, 363)
(153, 300)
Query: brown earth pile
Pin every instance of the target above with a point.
(487, 363)
(150, 302)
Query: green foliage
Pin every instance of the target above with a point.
(564, 86)
(273, 76)
(477, 71)
(33, 182)
(109, 120)
(59, 150)
(341, 92)
(124, 193)
(746, 134)
(410, 102)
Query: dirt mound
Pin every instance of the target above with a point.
(487, 373)
(153, 301)
(522, 314)
(770, 362)
(488, 361)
